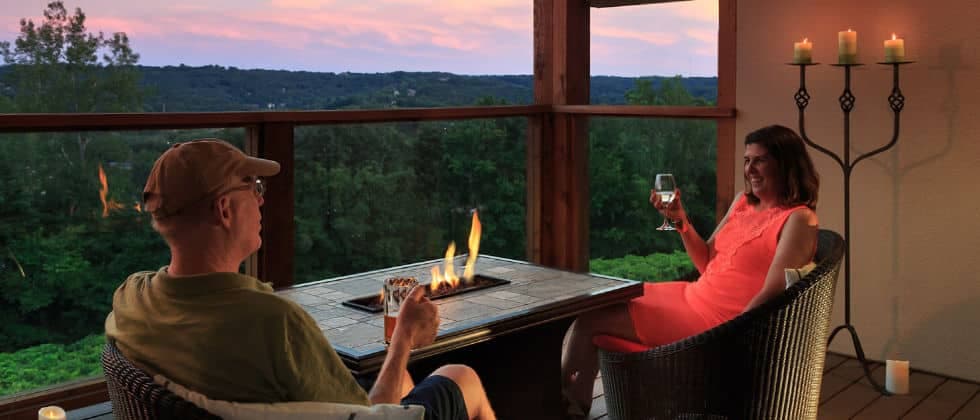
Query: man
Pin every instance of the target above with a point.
(228, 336)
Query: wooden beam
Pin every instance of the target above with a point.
(275, 261)
(558, 183)
(618, 3)
(725, 152)
(701, 112)
(185, 120)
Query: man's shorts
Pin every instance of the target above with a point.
(441, 398)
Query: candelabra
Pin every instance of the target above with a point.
(896, 101)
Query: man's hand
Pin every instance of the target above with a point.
(418, 320)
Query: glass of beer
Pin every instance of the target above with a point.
(396, 290)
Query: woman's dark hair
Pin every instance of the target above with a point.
(800, 180)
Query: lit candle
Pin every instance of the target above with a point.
(897, 376)
(847, 47)
(51, 412)
(894, 49)
(802, 52)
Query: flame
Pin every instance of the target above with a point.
(436, 279)
(449, 274)
(103, 192)
(447, 278)
(805, 40)
(138, 208)
(476, 229)
(893, 36)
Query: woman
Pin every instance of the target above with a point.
(768, 228)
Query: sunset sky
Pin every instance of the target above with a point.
(457, 36)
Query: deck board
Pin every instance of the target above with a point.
(840, 378)
(921, 385)
(945, 402)
(853, 399)
(971, 411)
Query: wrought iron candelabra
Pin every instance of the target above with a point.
(897, 101)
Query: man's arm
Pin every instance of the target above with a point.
(417, 326)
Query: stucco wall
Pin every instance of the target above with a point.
(915, 210)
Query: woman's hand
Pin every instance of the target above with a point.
(673, 210)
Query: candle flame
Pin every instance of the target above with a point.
(849, 30)
(805, 39)
(893, 36)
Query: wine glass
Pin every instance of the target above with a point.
(664, 187)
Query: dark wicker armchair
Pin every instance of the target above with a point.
(765, 364)
(134, 395)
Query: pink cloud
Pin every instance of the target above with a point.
(654, 38)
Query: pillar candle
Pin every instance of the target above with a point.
(51, 412)
(894, 49)
(897, 376)
(803, 52)
(847, 47)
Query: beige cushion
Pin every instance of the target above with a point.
(300, 410)
(794, 275)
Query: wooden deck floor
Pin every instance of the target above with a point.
(846, 394)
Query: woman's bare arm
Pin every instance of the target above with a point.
(795, 249)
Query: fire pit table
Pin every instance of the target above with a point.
(511, 333)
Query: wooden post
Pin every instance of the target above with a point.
(557, 167)
(725, 155)
(275, 261)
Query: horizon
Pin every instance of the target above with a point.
(492, 38)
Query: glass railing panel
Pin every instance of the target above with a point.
(625, 156)
(380, 195)
(71, 231)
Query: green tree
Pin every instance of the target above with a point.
(56, 66)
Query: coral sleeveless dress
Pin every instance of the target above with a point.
(744, 250)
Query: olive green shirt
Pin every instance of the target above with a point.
(229, 337)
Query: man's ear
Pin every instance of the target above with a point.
(221, 211)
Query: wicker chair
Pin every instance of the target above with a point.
(135, 396)
(765, 364)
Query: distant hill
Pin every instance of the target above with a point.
(216, 88)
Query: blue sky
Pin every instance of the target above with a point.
(457, 36)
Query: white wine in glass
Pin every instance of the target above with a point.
(664, 187)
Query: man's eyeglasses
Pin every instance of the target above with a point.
(256, 184)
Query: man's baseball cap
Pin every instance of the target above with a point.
(190, 172)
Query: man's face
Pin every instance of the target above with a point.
(245, 201)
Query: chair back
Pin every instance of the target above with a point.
(135, 396)
(767, 363)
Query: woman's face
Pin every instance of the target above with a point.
(762, 172)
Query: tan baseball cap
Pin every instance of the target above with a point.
(190, 172)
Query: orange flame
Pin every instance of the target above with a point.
(103, 192)
(436, 279)
(476, 229)
(893, 36)
(448, 275)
